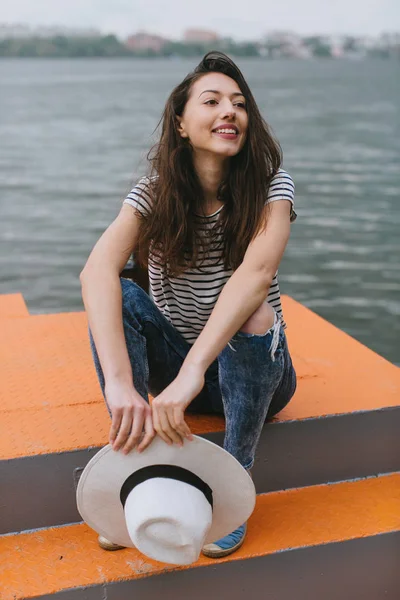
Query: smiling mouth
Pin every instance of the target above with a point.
(232, 130)
(227, 134)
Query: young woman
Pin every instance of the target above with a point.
(211, 223)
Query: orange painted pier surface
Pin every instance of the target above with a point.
(51, 399)
(327, 474)
(48, 561)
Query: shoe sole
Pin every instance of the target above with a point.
(110, 547)
(221, 553)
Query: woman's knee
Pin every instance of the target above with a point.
(134, 299)
(130, 290)
(261, 320)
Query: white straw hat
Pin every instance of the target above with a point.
(166, 501)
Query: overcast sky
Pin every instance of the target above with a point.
(241, 19)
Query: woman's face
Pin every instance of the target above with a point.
(215, 118)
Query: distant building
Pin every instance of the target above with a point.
(337, 44)
(278, 44)
(200, 35)
(145, 41)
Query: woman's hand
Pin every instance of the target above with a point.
(130, 415)
(168, 408)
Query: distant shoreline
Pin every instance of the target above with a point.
(199, 56)
(309, 48)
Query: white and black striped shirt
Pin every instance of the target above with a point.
(188, 300)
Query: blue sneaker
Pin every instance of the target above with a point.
(226, 545)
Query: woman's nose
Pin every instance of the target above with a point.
(229, 112)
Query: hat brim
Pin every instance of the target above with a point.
(98, 491)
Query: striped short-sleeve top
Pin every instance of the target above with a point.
(188, 300)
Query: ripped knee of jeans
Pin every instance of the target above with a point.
(275, 337)
(274, 331)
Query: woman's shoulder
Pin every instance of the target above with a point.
(144, 184)
(283, 176)
(140, 196)
(282, 188)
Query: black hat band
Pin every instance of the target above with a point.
(165, 471)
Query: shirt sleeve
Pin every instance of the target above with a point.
(282, 188)
(139, 197)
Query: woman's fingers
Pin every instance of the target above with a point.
(167, 429)
(157, 426)
(171, 430)
(115, 424)
(163, 426)
(127, 427)
(179, 423)
(149, 432)
(124, 429)
(137, 428)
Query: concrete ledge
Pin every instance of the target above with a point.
(297, 543)
(40, 489)
(364, 568)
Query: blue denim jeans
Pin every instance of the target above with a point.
(251, 380)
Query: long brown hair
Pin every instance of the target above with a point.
(169, 231)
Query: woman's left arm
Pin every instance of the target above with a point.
(241, 296)
(246, 289)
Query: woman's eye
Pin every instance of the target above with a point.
(240, 104)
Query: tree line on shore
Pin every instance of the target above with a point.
(61, 46)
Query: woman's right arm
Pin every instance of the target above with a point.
(102, 297)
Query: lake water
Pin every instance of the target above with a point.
(74, 134)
